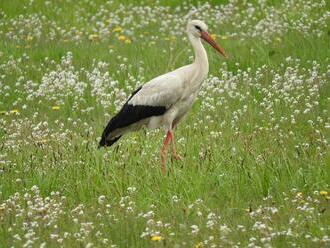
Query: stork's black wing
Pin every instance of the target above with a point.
(128, 115)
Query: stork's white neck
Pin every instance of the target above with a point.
(201, 60)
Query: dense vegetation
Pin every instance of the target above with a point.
(256, 161)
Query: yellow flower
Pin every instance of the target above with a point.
(14, 111)
(156, 238)
(56, 108)
(278, 39)
(93, 37)
(128, 41)
(44, 141)
(213, 36)
(248, 210)
(122, 37)
(118, 29)
(29, 38)
(151, 43)
(323, 193)
(199, 245)
(327, 197)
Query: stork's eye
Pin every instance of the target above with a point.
(198, 27)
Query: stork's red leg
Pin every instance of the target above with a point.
(175, 155)
(163, 153)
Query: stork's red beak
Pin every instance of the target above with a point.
(205, 36)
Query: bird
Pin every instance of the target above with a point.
(166, 99)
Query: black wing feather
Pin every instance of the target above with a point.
(128, 115)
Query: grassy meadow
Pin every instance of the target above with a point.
(255, 146)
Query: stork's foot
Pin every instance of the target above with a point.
(176, 156)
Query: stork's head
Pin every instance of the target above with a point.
(198, 29)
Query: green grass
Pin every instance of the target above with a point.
(232, 173)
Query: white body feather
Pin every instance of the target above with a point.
(175, 90)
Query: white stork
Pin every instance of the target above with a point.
(164, 100)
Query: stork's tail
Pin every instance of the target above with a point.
(107, 139)
(107, 136)
(119, 120)
(106, 142)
